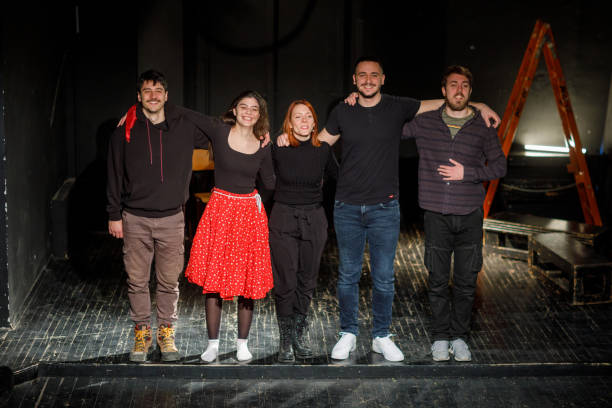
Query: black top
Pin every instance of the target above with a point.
(149, 175)
(300, 171)
(370, 148)
(234, 171)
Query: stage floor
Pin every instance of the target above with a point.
(527, 343)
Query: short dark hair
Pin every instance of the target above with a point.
(262, 126)
(369, 58)
(457, 69)
(153, 76)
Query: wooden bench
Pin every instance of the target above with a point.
(508, 233)
(575, 267)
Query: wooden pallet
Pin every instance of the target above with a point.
(575, 267)
(508, 233)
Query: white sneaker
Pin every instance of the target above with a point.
(460, 350)
(211, 352)
(242, 350)
(439, 350)
(387, 348)
(346, 344)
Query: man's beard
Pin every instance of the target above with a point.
(457, 106)
(362, 95)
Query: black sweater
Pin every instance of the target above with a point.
(300, 171)
(235, 172)
(149, 175)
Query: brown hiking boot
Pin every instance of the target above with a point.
(142, 342)
(165, 341)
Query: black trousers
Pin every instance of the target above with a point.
(297, 239)
(445, 235)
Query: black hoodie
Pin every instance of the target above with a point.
(149, 175)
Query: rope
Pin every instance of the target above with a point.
(538, 190)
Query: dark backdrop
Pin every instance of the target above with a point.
(68, 72)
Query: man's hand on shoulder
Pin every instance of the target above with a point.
(265, 139)
(282, 140)
(488, 114)
(351, 99)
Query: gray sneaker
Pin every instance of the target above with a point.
(460, 350)
(439, 350)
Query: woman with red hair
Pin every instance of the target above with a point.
(298, 226)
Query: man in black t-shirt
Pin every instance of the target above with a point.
(366, 206)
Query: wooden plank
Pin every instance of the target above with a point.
(528, 221)
(574, 266)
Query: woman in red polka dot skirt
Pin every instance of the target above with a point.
(230, 255)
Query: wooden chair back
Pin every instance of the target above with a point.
(202, 160)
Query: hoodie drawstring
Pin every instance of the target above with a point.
(161, 156)
(149, 138)
(161, 151)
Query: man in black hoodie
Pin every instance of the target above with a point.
(149, 168)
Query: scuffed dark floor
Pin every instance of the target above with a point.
(78, 313)
(392, 392)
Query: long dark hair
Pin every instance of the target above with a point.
(262, 126)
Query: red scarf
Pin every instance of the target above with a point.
(130, 118)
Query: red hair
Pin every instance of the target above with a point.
(314, 137)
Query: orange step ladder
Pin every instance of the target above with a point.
(542, 41)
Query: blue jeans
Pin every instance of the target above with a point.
(378, 224)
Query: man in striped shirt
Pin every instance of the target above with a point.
(457, 152)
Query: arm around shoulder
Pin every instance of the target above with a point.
(430, 105)
(487, 114)
(324, 136)
(266, 171)
(204, 123)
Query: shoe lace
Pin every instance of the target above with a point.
(167, 336)
(139, 339)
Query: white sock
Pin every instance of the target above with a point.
(242, 350)
(212, 351)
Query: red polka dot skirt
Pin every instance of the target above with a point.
(230, 254)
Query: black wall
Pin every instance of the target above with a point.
(60, 86)
(491, 38)
(33, 59)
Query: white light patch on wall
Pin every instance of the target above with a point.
(547, 151)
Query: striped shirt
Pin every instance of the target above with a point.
(475, 146)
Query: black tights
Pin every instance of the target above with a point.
(214, 306)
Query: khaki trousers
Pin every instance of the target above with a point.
(153, 239)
